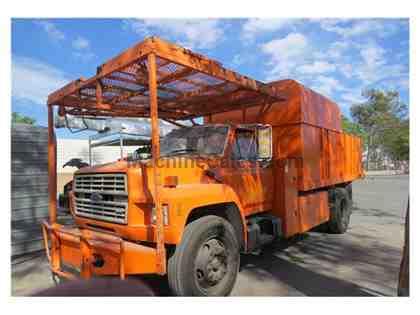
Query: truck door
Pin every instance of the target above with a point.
(249, 177)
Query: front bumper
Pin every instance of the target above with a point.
(95, 253)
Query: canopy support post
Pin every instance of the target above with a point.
(52, 189)
(160, 242)
(52, 167)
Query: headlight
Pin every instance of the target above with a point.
(165, 211)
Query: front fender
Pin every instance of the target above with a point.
(183, 199)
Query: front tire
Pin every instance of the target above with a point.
(206, 262)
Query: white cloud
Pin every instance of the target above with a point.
(33, 80)
(238, 60)
(375, 67)
(337, 49)
(368, 63)
(355, 27)
(352, 97)
(80, 43)
(84, 56)
(193, 33)
(292, 45)
(328, 85)
(253, 27)
(372, 75)
(372, 60)
(339, 55)
(82, 49)
(285, 54)
(373, 55)
(51, 29)
(338, 68)
(346, 70)
(316, 67)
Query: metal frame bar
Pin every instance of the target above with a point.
(121, 146)
(86, 271)
(160, 242)
(52, 167)
(169, 52)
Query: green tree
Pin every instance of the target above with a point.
(384, 118)
(22, 119)
(353, 128)
(396, 141)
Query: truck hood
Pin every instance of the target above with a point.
(187, 169)
(113, 167)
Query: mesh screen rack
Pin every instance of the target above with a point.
(189, 85)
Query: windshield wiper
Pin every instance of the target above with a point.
(180, 151)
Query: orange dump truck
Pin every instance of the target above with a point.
(269, 161)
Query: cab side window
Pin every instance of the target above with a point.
(244, 145)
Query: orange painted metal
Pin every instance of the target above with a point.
(307, 131)
(52, 189)
(52, 167)
(285, 205)
(79, 247)
(188, 85)
(157, 79)
(313, 209)
(307, 127)
(301, 105)
(194, 189)
(161, 262)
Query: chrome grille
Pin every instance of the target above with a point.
(110, 183)
(101, 197)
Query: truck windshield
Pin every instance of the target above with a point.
(199, 140)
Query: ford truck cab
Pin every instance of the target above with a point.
(195, 162)
(215, 169)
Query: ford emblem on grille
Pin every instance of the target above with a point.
(96, 197)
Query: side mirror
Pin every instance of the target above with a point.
(265, 147)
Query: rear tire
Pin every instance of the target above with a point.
(206, 262)
(340, 211)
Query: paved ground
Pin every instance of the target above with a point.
(363, 262)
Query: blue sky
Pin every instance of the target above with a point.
(336, 57)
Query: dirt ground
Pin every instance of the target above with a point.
(363, 262)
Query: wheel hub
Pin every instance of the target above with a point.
(211, 263)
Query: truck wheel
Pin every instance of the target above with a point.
(206, 262)
(340, 211)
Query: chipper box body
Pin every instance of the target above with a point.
(311, 154)
(269, 161)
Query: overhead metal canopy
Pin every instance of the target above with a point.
(189, 85)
